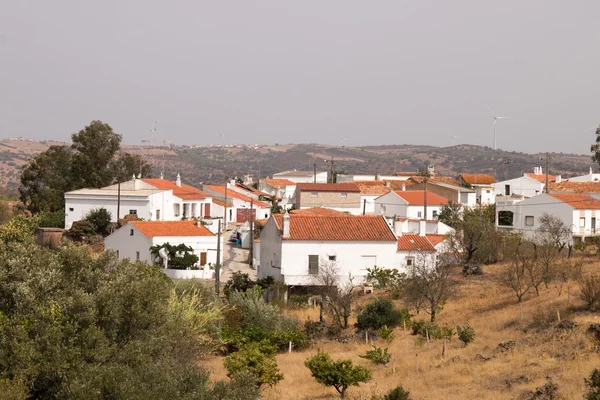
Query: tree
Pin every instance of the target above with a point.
(593, 385)
(94, 160)
(46, 178)
(340, 374)
(432, 280)
(181, 256)
(81, 326)
(590, 290)
(451, 215)
(379, 313)
(515, 275)
(257, 359)
(595, 148)
(554, 232)
(475, 235)
(337, 297)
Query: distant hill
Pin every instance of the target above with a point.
(212, 164)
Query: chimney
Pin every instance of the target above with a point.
(161, 176)
(422, 227)
(404, 187)
(378, 176)
(198, 224)
(387, 184)
(134, 177)
(286, 225)
(178, 181)
(558, 178)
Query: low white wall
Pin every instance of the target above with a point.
(190, 273)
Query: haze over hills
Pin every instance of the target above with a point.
(213, 164)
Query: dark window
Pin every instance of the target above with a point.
(410, 261)
(507, 190)
(131, 232)
(71, 209)
(529, 220)
(158, 215)
(313, 264)
(505, 218)
(134, 212)
(137, 255)
(332, 258)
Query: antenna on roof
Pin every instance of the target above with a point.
(153, 137)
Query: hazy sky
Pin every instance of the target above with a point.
(373, 72)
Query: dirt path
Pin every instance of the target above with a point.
(235, 260)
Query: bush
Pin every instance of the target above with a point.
(258, 314)
(100, 219)
(590, 290)
(386, 334)
(378, 355)
(465, 334)
(239, 282)
(236, 339)
(593, 385)
(81, 230)
(424, 328)
(379, 313)
(382, 278)
(300, 301)
(19, 229)
(257, 359)
(242, 387)
(340, 374)
(54, 219)
(398, 393)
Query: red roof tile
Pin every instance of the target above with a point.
(327, 187)
(278, 183)
(577, 187)
(352, 228)
(372, 187)
(541, 177)
(317, 211)
(184, 192)
(577, 200)
(416, 197)
(477, 179)
(236, 195)
(414, 243)
(436, 239)
(171, 228)
(435, 179)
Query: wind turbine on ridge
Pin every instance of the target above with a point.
(453, 137)
(494, 123)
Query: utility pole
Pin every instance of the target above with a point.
(225, 206)
(251, 252)
(364, 206)
(425, 198)
(218, 265)
(315, 172)
(331, 169)
(547, 166)
(118, 201)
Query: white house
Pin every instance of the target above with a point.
(483, 184)
(239, 205)
(370, 178)
(528, 185)
(282, 189)
(409, 204)
(150, 199)
(369, 191)
(303, 176)
(453, 193)
(418, 249)
(294, 248)
(591, 177)
(134, 240)
(579, 212)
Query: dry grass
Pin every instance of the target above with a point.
(493, 312)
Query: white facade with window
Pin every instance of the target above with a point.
(523, 186)
(391, 204)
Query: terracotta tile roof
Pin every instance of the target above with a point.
(475, 179)
(372, 187)
(416, 197)
(352, 228)
(411, 173)
(278, 183)
(436, 179)
(576, 187)
(541, 177)
(414, 243)
(222, 203)
(317, 211)
(184, 192)
(327, 187)
(252, 190)
(436, 239)
(236, 195)
(577, 200)
(171, 228)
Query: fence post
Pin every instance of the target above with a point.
(444, 349)
(290, 348)
(558, 315)
(417, 362)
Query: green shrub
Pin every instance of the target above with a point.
(100, 219)
(300, 301)
(386, 334)
(19, 229)
(382, 278)
(241, 387)
(340, 374)
(257, 359)
(54, 219)
(81, 230)
(593, 385)
(465, 333)
(239, 282)
(378, 355)
(256, 313)
(398, 393)
(236, 339)
(378, 313)
(424, 328)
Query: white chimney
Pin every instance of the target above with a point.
(591, 171)
(134, 177)
(422, 227)
(377, 176)
(178, 181)
(286, 225)
(404, 187)
(161, 176)
(387, 184)
(558, 178)
(395, 224)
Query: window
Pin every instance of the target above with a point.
(71, 209)
(137, 255)
(582, 222)
(507, 190)
(487, 191)
(529, 220)
(158, 215)
(313, 264)
(131, 232)
(314, 194)
(344, 194)
(410, 261)
(332, 258)
(419, 214)
(134, 212)
(505, 218)
(435, 214)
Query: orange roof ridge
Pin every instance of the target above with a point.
(171, 228)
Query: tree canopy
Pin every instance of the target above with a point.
(94, 160)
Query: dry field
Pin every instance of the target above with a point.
(493, 312)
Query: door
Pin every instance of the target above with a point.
(203, 258)
(207, 210)
(593, 224)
